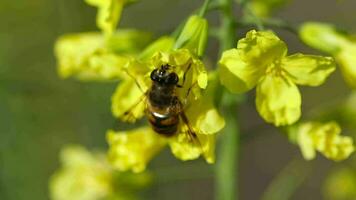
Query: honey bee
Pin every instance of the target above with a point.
(164, 110)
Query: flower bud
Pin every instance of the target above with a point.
(322, 36)
(194, 35)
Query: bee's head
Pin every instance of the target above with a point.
(163, 76)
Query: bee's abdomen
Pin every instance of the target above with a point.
(164, 124)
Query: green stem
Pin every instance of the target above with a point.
(204, 8)
(227, 166)
(227, 28)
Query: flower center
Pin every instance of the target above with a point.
(275, 69)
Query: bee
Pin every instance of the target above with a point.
(164, 110)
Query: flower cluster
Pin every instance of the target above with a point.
(259, 61)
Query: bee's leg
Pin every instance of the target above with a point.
(129, 112)
(188, 93)
(185, 75)
(191, 134)
(133, 78)
(184, 118)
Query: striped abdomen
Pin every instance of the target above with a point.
(164, 124)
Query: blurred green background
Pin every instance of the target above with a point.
(39, 113)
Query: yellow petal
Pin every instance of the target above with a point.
(278, 100)
(185, 148)
(128, 102)
(235, 74)
(86, 57)
(133, 150)
(261, 48)
(308, 69)
(202, 114)
(324, 138)
(109, 13)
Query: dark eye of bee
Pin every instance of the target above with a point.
(154, 75)
(172, 79)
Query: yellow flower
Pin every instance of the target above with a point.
(194, 35)
(133, 149)
(83, 176)
(324, 138)
(327, 38)
(88, 56)
(261, 60)
(340, 184)
(126, 148)
(109, 13)
(88, 176)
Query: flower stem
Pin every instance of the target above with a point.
(204, 8)
(227, 166)
(227, 28)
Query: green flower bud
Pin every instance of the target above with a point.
(322, 36)
(194, 35)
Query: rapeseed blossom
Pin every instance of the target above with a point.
(260, 60)
(324, 138)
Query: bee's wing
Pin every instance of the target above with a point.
(129, 115)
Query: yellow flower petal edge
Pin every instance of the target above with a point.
(132, 150)
(278, 100)
(324, 138)
(85, 56)
(308, 70)
(83, 176)
(109, 13)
